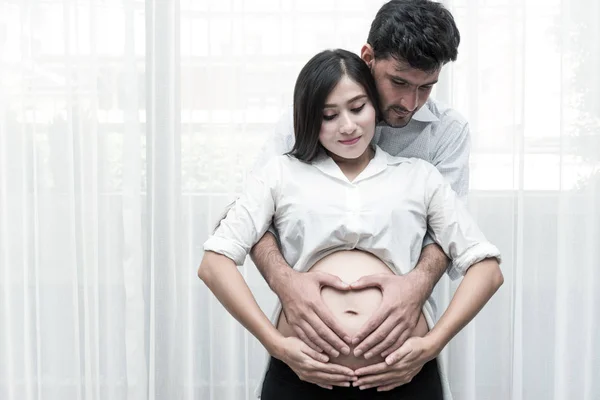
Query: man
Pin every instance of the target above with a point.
(408, 44)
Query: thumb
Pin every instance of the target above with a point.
(366, 282)
(399, 354)
(333, 281)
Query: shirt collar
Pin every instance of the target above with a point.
(378, 164)
(424, 114)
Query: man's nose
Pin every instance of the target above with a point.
(410, 100)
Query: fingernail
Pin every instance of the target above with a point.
(347, 339)
(357, 352)
(346, 350)
(346, 384)
(354, 384)
(335, 353)
(355, 341)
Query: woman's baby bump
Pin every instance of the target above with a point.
(353, 308)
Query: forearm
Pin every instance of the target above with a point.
(270, 262)
(481, 281)
(430, 268)
(223, 278)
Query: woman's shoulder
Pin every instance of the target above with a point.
(280, 165)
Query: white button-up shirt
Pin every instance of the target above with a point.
(386, 210)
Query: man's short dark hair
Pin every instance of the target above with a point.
(421, 33)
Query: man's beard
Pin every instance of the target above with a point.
(396, 120)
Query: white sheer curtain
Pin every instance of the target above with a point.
(126, 126)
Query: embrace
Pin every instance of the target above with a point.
(352, 216)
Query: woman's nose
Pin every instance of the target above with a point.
(347, 125)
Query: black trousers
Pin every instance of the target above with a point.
(282, 383)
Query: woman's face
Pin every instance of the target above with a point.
(348, 120)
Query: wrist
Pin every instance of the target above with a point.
(421, 282)
(279, 281)
(275, 346)
(435, 343)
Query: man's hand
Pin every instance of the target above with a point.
(308, 316)
(300, 295)
(311, 366)
(396, 317)
(399, 368)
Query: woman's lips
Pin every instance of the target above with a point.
(350, 141)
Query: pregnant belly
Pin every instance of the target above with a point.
(352, 308)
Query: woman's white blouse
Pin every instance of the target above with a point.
(386, 211)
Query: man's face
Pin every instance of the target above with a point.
(402, 89)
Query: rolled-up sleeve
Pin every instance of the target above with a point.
(453, 227)
(249, 217)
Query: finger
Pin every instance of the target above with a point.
(331, 368)
(368, 281)
(377, 380)
(331, 379)
(386, 343)
(381, 385)
(314, 354)
(343, 384)
(330, 329)
(372, 323)
(372, 369)
(378, 336)
(336, 369)
(389, 387)
(364, 387)
(399, 354)
(316, 339)
(329, 385)
(401, 340)
(302, 336)
(333, 281)
(324, 382)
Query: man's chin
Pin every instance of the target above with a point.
(398, 122)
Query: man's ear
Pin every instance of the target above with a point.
(367, 54)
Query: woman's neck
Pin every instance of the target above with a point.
(354, 166)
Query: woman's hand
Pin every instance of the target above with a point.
(395, 319)
(399, 368)
(311, 366)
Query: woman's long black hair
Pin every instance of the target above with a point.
(315, 82)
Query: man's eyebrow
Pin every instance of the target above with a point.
(398, 79)
(360, 96)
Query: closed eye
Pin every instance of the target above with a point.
(358, 109)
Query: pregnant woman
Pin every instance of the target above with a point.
(345, 207)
